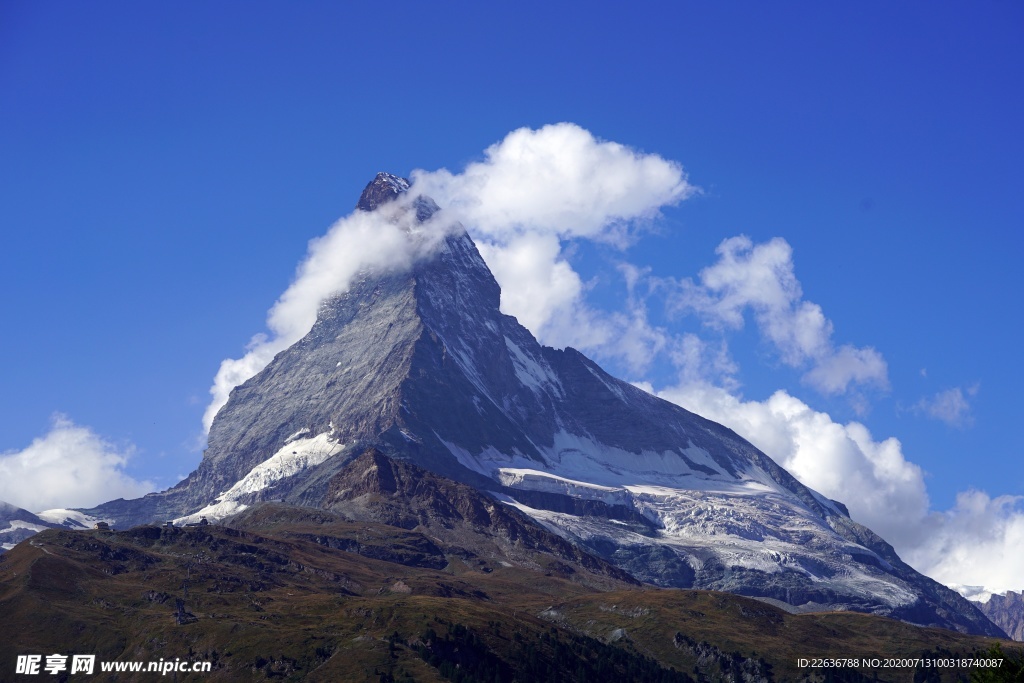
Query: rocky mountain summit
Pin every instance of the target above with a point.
(420, 368)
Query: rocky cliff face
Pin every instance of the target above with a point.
(1007, 612)
(423, 367)
(376, 488)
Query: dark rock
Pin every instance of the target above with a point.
(381, 190)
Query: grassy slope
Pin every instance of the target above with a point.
(271, 606)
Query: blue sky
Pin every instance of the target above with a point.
(165, 165)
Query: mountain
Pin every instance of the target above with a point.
(16, 525)
(1007, 612)
(422, 367)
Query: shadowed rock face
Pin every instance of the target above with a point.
(422, 366)
(376, 488)
(1007, 612)
(382, 189)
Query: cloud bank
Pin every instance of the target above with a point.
(70, 466)
(977, 542)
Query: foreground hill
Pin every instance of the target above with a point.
(288, 593)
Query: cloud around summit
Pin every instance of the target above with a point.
(531, 191)
(559, 180)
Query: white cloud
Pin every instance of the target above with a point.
(761, 278)
(980, 541)
(70, 466)
(698, 362)
(538, 286)
(950, 406)
(532, 191)
(557, 180)
(835, 371)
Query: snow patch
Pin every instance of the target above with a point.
(22, 524)
(218, 510)
(397, 184)
(537, 377)
(291, 459)
(71, 519)
(535, 480)
(304, 430)
(582, 458)
(489, 461)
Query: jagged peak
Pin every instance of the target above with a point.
(382, 189)
(387, 187)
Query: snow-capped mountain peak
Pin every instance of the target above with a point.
(422, 366)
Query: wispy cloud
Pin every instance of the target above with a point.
(951, 406)
(761, 279)
(69, 466)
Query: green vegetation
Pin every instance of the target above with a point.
(278, 605)
(1011, 669)
(462, 656)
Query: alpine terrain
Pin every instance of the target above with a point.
(414, 402)
(1006, 610)
(16, 525)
